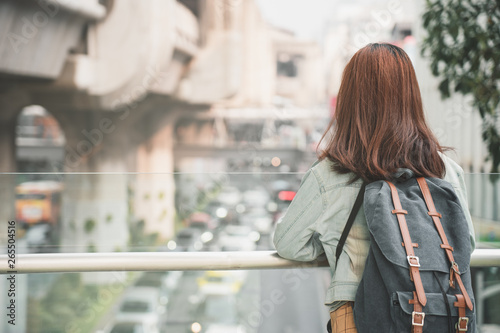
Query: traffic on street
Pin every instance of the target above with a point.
(239, 217)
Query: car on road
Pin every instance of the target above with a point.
(202, 221)
(164, 282)
(238, 238)
(219, 314)
(142, 304)
(221, 282)
(130, 326)
(39, 238)
(256, 198)
(258, 218)
(187, 239)
(225, 328)
(229, 196)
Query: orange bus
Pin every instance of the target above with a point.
(38, 202)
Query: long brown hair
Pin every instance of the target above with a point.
(379, 123)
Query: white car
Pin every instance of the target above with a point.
(229, 196)
(130, 326)
(258, 197)
(219, 314)
(164, 282)
(238, 238)
(259, 218)
(172, 280)
(225, 328)
(142, 304)
(38, 237)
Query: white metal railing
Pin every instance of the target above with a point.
(176, 261)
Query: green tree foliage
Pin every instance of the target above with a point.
(71, 306)
(463, 43)
(139, 239)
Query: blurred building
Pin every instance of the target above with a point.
(299, 68)
(119, 77)
(129, 94)
(355, 24)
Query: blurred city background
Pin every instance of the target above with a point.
(164, 125)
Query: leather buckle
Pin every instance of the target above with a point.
(413, 257)
(422, 314)
(454, 266)
(458, 325)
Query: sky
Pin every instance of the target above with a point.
(307, 18)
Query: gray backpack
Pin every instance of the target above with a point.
(417, 276)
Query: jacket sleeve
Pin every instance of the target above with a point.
(295, 237)
(462, 196)
(455, 175)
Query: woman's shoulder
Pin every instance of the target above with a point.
(451, 166)
(326, 176)
(454, 172)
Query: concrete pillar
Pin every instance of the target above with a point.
(95, 200)
(7, 213)
(7, 181)
(7, 144)
(95, 203)
(155, 185)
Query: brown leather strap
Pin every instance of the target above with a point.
(463, 320)
(417, 316)
(424, 188)
(463, 290)
(413, 261)
(447, 247)
(454, 271)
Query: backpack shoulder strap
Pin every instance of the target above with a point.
(350, 221)
(413, 261)
(454, 272)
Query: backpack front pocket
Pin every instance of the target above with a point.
(436, 319)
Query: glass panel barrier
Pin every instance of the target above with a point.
(190, 301)
(180, 212)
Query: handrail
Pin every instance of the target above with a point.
(177, 261)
